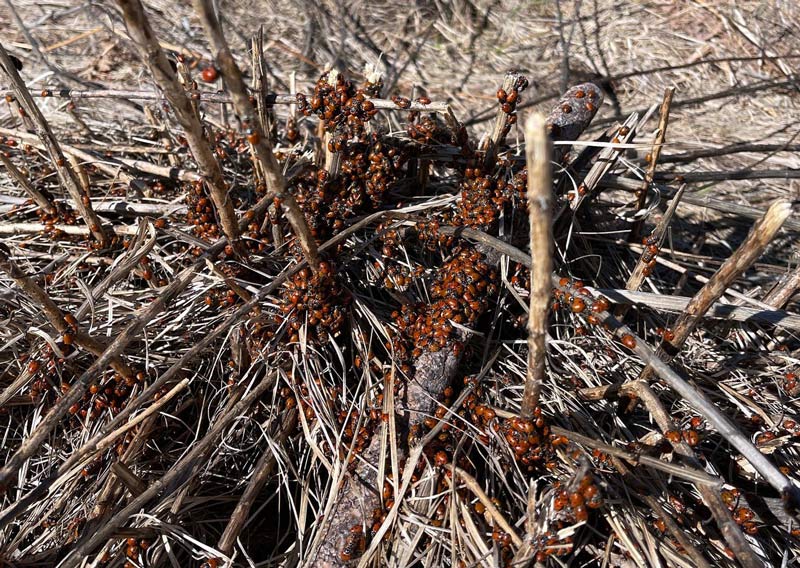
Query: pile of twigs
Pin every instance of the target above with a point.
(338, 330)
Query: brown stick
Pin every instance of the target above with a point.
(748, 252)
(491, 509)
(540, 212)
(657, 239)
(658, 143)
(784, 289)
(133, 482)
(65, 175)
(35, 228)
(39, 197)
(501, 119)
(259, 141)
(103, 163)
(606, 160)
(260, 80)
(261, 474)
(151, 53)
(333, 160)
(205, 96)
(56, 317)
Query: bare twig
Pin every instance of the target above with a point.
(606, 160)
(261, 474)
(728, 175)
(476, 489)
(688, 157)
(205, 96)
(35, 228)
(540, 205)
(658, 144)
(109, 165)
(153, 55)
(727, 311)
(656, 239)
(261, 147)
(760, 237)
(40, 198)
(726, 206)
(132, 481)
(65, 174)
(261, 82)
(56, 317)
(333, 159)
(784, 289)
(501, 121)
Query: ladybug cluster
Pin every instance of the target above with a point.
(314, 299)
(690, 434)
(369, 168)
(577, 298)
(369, 165)
(134, 549)
(485, 196)
(340, 104)
(649, 254)
(790, 384)
(508, 101)
(529, 440)
(61, 215)
(744, 516)
(578, 501)
(459, 294)
(201, 213)
(428, 130)
(354, 544)
(428, 235)
(112, 394)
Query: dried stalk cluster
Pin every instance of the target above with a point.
(384, 327)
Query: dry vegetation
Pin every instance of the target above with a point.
(293, 326)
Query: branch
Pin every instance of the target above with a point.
(749, 251)
(259, 141)
(153, 56)
(658, 144)
(270, 99)
(65, 175)
(540, 212)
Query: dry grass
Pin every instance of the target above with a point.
(238, 411)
